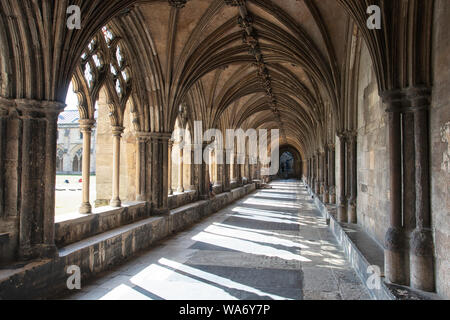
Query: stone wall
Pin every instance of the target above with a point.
(103, 153)
(440, 146)
(373, 158)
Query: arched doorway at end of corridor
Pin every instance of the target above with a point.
(290, 163)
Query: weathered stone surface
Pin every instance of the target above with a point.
(99, 252)
(440, 147)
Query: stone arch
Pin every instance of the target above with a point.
(296, 169)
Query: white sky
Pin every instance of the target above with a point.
(71, 99)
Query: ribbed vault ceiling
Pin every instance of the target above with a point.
(205, 61)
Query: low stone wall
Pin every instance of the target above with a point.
(47, 278)
(181, 199)
(85, 226)
(353, 254)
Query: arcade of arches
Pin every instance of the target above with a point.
(363, 114)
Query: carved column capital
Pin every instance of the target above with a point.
(395, 100)
(86, 125)
(160, 136)
(419, 98)
(31, 109)
(142, 136)
(117, 131)
(43, 107)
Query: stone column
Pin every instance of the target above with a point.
(394, 243)
(160, 172)
(322, 173)
(192, 169)
(421, 246)
(32, 132)
(342, 208)
(232, 166)
(352, 176)
(170, 167)
(309, 172)
(3, 116)
(326, 194)
(140, 166)
(249, 172)
(226, 171)
(117, 135)
(239, 161)
(332, 169)
(180, 170)
(204, 175)
(317, 170)
(313, 173)
(218, 183)
(86, 126)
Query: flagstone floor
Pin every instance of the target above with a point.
(273, 244)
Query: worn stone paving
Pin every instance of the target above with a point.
(273, 244)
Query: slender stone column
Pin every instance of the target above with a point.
(204, 175)
(322, 173)
(233, 166)
(317, 170)
(160, 172)
(3, 115)
(239, 161)
(170, 167)
(421, 246)
(226, 171)
(180, 171)
(48, 247)
(138, 171)
(326, 194)
(394, 243)
(253, 168)
(342, 208)
(352, 172)
(192, 169)
(140, 166)
(117, 135)
(319, 174)
(219, 179)
(86, 126)
(332, 169)
(144, 161)
(313, 173)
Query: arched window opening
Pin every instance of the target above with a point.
(75, 164)
(177, 156)
(69, 157)
(104, 174)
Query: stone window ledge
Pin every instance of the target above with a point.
(76, 216)
(179, 199)
(74, 227)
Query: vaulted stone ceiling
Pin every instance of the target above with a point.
(206, 59)
(256, 63)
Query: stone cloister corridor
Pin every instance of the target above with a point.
(238, 149)
(272, 244)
